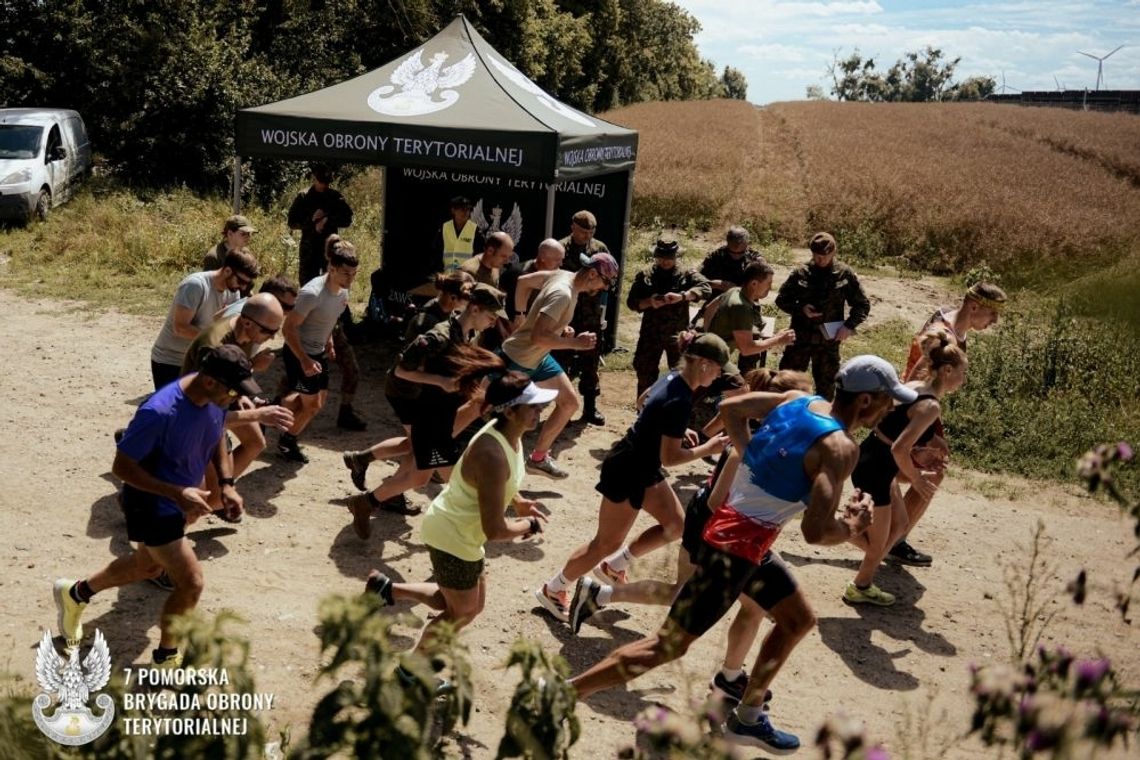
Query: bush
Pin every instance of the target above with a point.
(1047, 384)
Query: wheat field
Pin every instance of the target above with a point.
(943, 186)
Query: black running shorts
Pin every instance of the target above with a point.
(626, 476)
(297, 380)
(150, 521)
(454, 573)
(719, 579)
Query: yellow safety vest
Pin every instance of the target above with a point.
(457, 248)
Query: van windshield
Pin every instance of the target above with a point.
(20, 141)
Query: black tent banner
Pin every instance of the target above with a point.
(455, 117)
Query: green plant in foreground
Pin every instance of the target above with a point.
(540, 721)
(663, 733)
(1056, 703)
(374, 709)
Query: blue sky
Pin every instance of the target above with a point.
(784, 46)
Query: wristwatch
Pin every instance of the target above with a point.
(223, 482)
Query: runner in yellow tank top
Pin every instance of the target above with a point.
(471, 509)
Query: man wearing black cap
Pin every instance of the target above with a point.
(318, 213)
(662, 293)
(458, 238)
(162, 460)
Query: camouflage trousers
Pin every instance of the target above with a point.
(647, 357)
(824, 360)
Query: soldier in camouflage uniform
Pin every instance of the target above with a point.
(589, 315)
(724, 269)
(662, 294)
(814, 294)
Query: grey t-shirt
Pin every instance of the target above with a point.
(195, 292)
(321, 309)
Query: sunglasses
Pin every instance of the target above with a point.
(259, 326)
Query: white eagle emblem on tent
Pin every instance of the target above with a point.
(73, 723)
(513, 225)
(520, 79)
(419, 85)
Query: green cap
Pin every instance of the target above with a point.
(709, 346)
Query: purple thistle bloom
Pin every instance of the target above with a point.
(1124, 451)
(1090, 672)
(876, 753)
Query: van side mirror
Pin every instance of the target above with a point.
(58, 153)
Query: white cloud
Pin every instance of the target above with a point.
(773, 52)
(773, 42)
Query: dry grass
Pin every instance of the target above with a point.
(113, 247)
(943, 186)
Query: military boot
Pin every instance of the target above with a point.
(590, 413)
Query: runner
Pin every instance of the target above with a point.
(448, 370)
(469, 511)
(730, 682)
(162, 460)
(980, 309)
(799, 458)
(886, 457)
(632, 476)
(544, 328)
(309, 345)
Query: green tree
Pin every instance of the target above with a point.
(918, 77)
(734, 83)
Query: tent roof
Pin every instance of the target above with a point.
(453, 103)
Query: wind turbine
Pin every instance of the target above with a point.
(1059, 83)
(1004, 87)
(1099, 64)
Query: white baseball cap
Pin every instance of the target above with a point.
(531, 395)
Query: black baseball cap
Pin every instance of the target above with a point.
(229, 365)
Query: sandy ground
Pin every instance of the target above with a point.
(77, 376)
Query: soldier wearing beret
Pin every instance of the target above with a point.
(662, 293)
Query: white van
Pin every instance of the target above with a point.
(44, 153)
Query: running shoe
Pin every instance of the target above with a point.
(585, 602)
(171, 662)
(163, 581)
(728, 691)
(380, 585)
(731, 692)
(69, 613)
(903, 553)
(356, 470)
(547, 467)
(556, 603)
(616, 577)
(291, 452)
(399, 505)
(871, 595)
(760, 734)
(361, 508)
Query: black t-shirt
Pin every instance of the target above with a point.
(665, 414)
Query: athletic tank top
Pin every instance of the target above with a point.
(452, 523)
(771, 486)
(897, 419)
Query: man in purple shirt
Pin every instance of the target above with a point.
(162, 459)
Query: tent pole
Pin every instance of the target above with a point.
(237, 184)
(383, 214)
(550, 189)
(624, 245)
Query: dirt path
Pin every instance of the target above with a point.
(75, 376)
